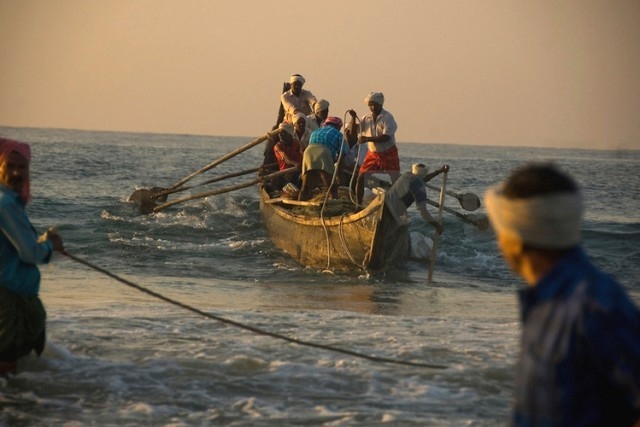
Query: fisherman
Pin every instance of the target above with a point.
(579, 360)
(22, 315)
(320, 114)
(409, 188)
(378, 129)
(270, 161)
(320, 158)
(289, 154)
(297, 99)
(301, 134)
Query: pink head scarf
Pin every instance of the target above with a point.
(331, 120)
(9, 145)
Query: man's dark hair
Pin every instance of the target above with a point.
(535, 179)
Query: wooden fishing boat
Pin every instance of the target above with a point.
(367, 240)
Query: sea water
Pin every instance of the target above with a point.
(117, 356)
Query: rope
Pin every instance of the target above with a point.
(336, 171)
(248, 327)
(345, 247)
(355, 160)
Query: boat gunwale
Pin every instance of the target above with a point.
(372, 208)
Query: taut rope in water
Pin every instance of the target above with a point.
(247, 327)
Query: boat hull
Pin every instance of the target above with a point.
(367, 240)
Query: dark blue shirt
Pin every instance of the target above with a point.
(580, 351)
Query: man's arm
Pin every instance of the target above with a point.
(430, 176)
(351, 131)
(424, 213)
(16, 227)
(311, 99)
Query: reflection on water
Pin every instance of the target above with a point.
(69, 286)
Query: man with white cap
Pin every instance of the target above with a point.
(301, 133)
(378, 129)
(22, 315)
(409, 188)
(288, 153)
(579, 359)
(297, 99)
(320, 114)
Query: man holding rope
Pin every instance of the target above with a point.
(378, 130)
(22, 315)
(579, 360)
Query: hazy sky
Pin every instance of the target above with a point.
(562, 73)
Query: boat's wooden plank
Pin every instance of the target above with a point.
(293, 202)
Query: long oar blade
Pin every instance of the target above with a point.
(468, 201)
(481, 222)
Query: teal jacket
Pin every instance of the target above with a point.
(20, 250)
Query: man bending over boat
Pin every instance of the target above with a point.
(409, 188)
(22, 315)
(318, 161)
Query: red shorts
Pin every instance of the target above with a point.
(386, 161)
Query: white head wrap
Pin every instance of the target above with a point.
(376, 97)
(296, 78)
(548, 221)
(299, 116)
(287, 127)
(320, 105)
(419, 170)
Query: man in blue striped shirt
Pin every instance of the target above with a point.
(579, 361)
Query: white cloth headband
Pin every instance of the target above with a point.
(376, 97)
(549, 221)
(287, 127)
(419, 170)
(296, 78)
(322, 104)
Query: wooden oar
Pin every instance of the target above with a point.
(468, 201)
(482, 223)
(150, 209)
(158, 194)
(436, 237)
(224, 158)
(210, 181)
